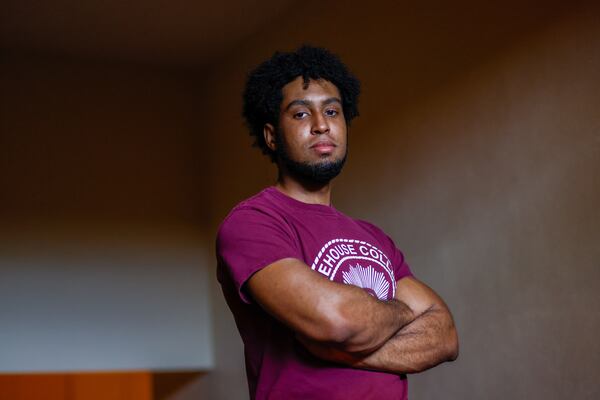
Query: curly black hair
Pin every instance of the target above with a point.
(263, 92)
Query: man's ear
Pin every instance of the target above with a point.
(269, 135)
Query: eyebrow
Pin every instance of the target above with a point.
(308, 103)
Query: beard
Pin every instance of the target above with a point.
(319, 172)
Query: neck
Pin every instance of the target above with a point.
(305, 192)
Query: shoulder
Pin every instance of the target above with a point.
(383, 238)
(372, 228)
(257, 204)
(251, 215)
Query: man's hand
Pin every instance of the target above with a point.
(427, 341)
(329, 314)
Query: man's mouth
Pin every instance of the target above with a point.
(324, 147)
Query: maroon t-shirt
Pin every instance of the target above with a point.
(271, 226)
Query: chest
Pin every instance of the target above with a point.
(344, 251)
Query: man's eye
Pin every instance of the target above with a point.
(300, 114)
(331, 113)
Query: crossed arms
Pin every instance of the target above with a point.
(344, 324)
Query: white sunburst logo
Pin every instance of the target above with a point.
(367, 278)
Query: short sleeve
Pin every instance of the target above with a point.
(249, 240)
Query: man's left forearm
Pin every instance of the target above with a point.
(424, 343)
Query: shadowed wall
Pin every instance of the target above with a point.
(103, 248)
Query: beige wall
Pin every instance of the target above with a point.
(478, 151)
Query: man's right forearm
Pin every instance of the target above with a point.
(342, 316)
(365, 322)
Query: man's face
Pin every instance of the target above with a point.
(311, 139)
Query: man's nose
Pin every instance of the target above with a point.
(320, 125)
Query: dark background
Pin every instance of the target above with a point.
(477, 150)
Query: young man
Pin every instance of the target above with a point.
(325, 304)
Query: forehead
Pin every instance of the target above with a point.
(319, 88)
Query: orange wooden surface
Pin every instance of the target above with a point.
(77, 386)
(28, 387)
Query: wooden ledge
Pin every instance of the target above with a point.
(109, 385)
